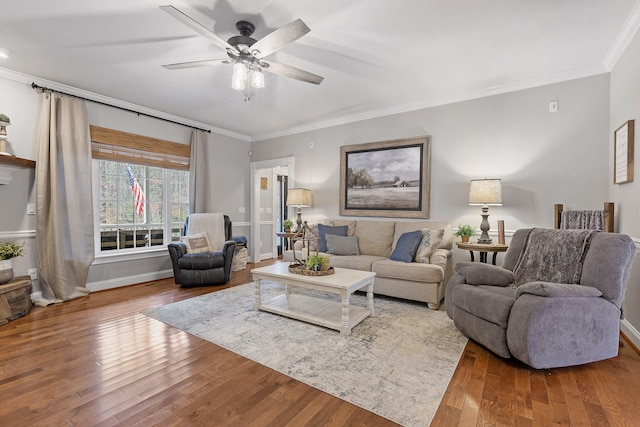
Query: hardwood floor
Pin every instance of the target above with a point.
(97, 361)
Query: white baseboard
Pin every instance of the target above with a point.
(266, 256)
(129, 280)
(630, 332)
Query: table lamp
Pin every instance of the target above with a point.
(301, 198)
(485, 192)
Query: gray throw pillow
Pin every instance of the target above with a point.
(547, 289)
(323, 230)
(407, 246)
(478, 273)
(342, 245)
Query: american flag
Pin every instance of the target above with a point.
(138, 194)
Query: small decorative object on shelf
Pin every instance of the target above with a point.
(465, 231)
(286, 225)
(4, 122)
(8, 250)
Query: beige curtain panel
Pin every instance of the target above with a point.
(64, 211)
(200, 197)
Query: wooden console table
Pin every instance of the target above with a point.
(483, 249)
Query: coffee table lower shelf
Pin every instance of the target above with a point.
(318, 311)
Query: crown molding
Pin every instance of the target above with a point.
(624, 37)
(28, 79)
(429, 103)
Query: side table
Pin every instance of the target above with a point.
(483, 249)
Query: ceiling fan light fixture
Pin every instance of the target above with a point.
(257, 78)
(239, 76)
(239, 71)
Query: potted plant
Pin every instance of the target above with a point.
(286, 225)
(317, 263)
(8, 250)
(4, 120)
(465, 231)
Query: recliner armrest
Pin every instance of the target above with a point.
(550, 289)
(478, 273)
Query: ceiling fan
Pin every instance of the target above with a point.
(246, 53)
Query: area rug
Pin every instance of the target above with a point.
(396, 364)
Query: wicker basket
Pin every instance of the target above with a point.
(301, 269)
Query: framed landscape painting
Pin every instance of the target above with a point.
(386, 178)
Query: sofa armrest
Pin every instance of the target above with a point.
(557, 290)
(478, 273)
(440, 257)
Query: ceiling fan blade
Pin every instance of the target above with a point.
(196, 26)
(291, 72)
(195, 64)
(279, 38)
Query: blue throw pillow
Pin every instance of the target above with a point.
(340, 230)
(407, 246)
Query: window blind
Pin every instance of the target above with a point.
(115, 145)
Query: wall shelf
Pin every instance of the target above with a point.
(10, 164)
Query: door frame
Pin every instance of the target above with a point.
(254, 202)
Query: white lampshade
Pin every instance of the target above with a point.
(485, 192)
(300, 197)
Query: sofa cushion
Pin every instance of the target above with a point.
(197, 243)
(407, 246)
(342, 245)
(491, 306)
(546, 289)
(327, 229)
(429, 243)
(351, 225)
(354, 262)
(375, 237)
(414, 271)
(477, 273)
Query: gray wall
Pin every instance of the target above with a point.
(625, 105)
(543, 158)
(230, 174)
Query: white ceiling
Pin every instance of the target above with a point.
(377, 56)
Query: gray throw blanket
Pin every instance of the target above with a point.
(552, 256)
(584, 220)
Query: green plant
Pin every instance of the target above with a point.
(465, 230)
(287, 223)
(317, 263)
(4, 118)
(10, 250)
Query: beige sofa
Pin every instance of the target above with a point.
(424, 282)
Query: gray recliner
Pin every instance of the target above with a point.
(556, 301)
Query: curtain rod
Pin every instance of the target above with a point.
(35, 86)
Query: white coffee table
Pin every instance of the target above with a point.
(341, 316)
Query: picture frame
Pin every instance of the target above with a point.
(623, 153)
(386, 178)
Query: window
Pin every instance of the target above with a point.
(141, 197)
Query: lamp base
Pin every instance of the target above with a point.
(484, 226)
(299, 219)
